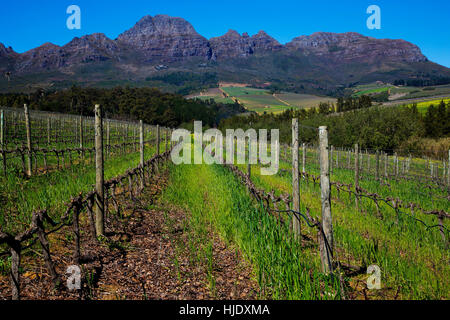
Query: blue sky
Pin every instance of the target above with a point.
(28, 24)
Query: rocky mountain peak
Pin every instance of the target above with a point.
(161, 40)
(159, 25)
(163, 36)
(231, 34)
(354, 46)
(232, 44)
(6, 51)
(263, 42)
(96, 43)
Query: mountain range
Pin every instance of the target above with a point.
(160, 45)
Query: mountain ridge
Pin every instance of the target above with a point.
(174, 41)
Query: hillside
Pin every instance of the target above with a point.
(321, 63)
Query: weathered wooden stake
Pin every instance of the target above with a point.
(386, 162)
(249, 165)
(141, 147)
(99, 173)
(326, 248)
(28, 128)
(15, 274)
(81, 137)
(338, 152)
(141, 141)
(396, 164)
(296, 226)
(108, 139)
(157, 139)
(48, 130)
(377, 167)
(409, 162)
(431, 169)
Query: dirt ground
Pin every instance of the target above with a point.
(146, 256)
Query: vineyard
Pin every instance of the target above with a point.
(71, 185)
(50, 164)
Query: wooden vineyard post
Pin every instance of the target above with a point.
(444, 170)
(99, 173)
(134, 138)
(2, 140)
(338, 152)
(76, 130)
(431, 170)
(28, 130)
(81, 137)
(409, 163)
(56, 131)
(326, 243)
(141, 147)
(385, 164)
(123, 138)
(48, 131)
(141, 141)
(360, 161)
(377, 167)
(296, 226)
(396, 164)
(15, 250)
(108, 139)
(356, 175)
(249, 166)
(157, 139)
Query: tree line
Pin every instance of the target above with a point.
(149, 104)
(376, 128)
(420, 82)
(343, 104)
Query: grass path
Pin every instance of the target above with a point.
(216, 199)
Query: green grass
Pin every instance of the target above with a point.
(371, 91)
(260, 100)
(303, 100)
(21, 197)
(405, 91)
(261, 103)
(243, 91)
(216, 199)
(413, 259)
